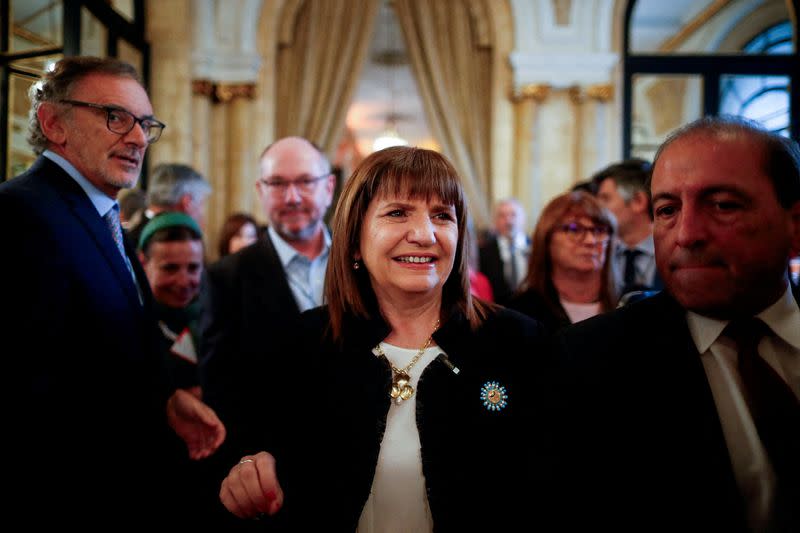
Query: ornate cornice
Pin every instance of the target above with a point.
(223, 92)
(602, 92)
(537, 92)
(576, 94)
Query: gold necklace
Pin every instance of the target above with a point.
(401, 381)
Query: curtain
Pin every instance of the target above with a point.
(321, 52)
(451, 57)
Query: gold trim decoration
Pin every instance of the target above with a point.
(202, 88)
(602, 92)
(223, 92)
(534, 91)
(576, 95)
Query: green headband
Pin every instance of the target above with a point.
(168, 220)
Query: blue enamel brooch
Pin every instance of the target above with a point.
(494, 396)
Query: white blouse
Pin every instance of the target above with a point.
(398, 500)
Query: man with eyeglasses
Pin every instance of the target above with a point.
(254, 296)
(90, 405)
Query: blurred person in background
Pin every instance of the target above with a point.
(567, 278)
(238, 231)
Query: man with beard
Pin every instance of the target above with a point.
(688, 400)
(88, 398)
(254, 296)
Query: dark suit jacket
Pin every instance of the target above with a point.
(87, 413)
(248, 306)
(643, 448)
(492, 266)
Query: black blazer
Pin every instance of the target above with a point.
(531, 303)
(492, 266)
(87, 426)
(327, 415)
(248, 307)
(642, 448)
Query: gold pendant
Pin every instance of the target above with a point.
(401, 387)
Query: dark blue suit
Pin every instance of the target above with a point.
(88, 426)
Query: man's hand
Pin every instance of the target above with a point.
(196, 423)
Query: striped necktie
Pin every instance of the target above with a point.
(112, 221)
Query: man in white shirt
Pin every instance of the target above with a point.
(698, 425)
(622, 188)
(253, 297)
(504, 256)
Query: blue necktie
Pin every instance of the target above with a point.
(112, 221)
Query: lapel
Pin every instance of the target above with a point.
(700, 441)
(84, 211)
(279, 293)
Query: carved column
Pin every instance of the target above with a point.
(599, 126)
(526, 147)
(577, 97)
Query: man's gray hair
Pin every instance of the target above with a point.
(57, 84)
(171, 181)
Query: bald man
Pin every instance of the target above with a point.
(256, 294)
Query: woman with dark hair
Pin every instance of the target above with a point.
(238, 231)
(568, 278)
(351, 445)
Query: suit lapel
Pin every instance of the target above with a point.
(83, 209)
(280, 293)
(702, 445)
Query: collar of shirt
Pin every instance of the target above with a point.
(520, 241)
(98, 198)
(782, 318)
(646, 246)
(285, 250)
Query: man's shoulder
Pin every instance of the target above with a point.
(638, 320)
(36, 191)
(260, 259)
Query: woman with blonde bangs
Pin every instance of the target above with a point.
(568, 277)
(411, 406)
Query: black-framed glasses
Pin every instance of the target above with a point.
(577, 232)
(304, 185)
(121, 121)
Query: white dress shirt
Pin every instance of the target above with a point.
(306, 277)
(521, 252)
(781, 350)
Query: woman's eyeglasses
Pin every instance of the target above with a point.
(577, 232)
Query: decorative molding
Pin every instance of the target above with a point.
(230, 67)
(576, 95)
(537, 92)
(563, 70)
(672, 44)
(223, 92)
(602, 92)
(224, 40)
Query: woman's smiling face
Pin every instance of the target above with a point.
(408, 245)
